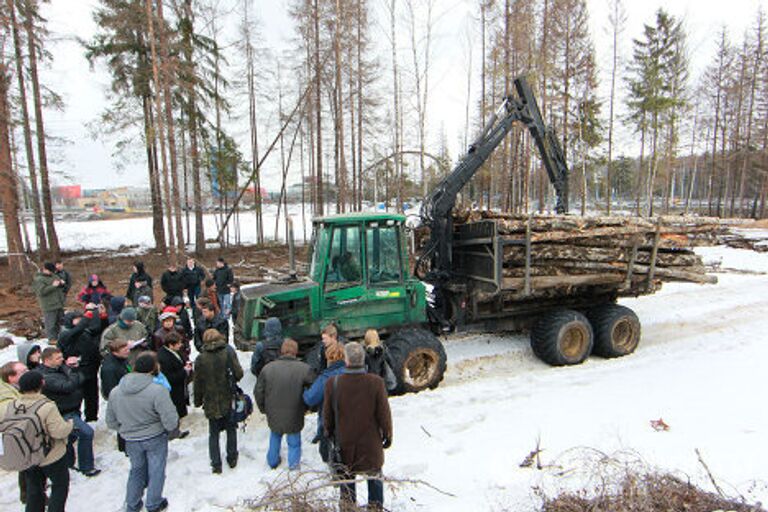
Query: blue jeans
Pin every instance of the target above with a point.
(349, 494)
(83, 433)
(148, 458)
(294, 449)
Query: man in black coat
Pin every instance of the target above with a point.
(80, 339)
(223, 277)
(140, 283)
(176, 369)
(172, 283)
(115, 366)
(192, 275)
(208, 319)
(63, 386)
(64, 276)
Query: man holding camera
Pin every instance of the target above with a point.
(49, 290)
(63, 385)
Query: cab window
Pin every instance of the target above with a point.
(383, 242)
(344, 269)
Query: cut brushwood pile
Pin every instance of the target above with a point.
(556, 255)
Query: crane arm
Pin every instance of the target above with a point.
(436, 212)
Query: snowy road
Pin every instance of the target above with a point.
(700, 366)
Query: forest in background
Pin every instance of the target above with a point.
(344, 113)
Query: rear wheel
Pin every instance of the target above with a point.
(562, 338)
(418, 360)
(617, 330)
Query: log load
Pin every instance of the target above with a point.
(550, 256)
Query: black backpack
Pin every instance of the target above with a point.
(267, 356)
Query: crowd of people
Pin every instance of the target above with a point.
(138, 357)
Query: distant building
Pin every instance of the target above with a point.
(120, 198)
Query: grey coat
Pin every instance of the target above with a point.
(140, 409)
(279, 391)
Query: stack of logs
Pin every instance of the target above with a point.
(633, 255)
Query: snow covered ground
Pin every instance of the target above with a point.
(700, 367)
(137, 232)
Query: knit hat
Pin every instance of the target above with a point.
(168, 314)
(94, 277)
(30, 381)
(50, 267)
(144, 299)
(128, 315)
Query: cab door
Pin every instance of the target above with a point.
(344, 290)
(388, 298)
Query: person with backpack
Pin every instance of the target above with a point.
(45, 459)
(313, 396)
(217, 372)
(63, 385)
(268, 349)
(278, 394)
(143, 414)
(357, 417)
(10, 374)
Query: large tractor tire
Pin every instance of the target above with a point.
(418, 360)
(616, 328)
(562, 338)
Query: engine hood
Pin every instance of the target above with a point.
(292, 303)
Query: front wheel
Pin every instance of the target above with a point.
(562, 338)
(418, 360)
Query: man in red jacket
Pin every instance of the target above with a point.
(356, 416)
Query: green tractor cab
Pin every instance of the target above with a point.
(359, 278)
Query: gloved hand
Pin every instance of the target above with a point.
(386, 442)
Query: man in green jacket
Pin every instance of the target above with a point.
(215, 368)
(127, 328)
(49, 289)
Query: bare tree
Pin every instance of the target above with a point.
(617, 19)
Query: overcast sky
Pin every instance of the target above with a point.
(83, 160)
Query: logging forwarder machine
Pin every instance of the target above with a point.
(359, 277)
